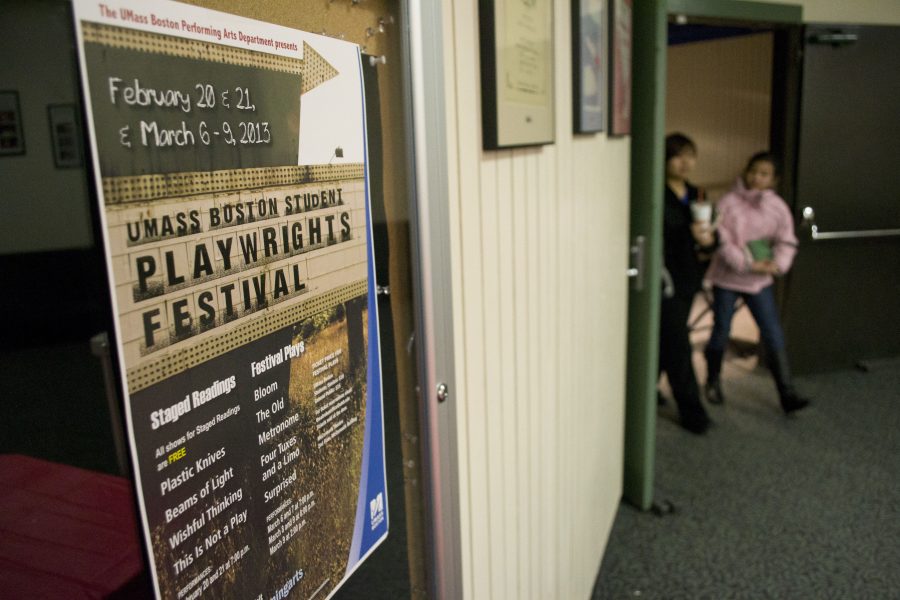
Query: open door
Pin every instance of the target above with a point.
(647, 155)
(840, 305)
(650, 20)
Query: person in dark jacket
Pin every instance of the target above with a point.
(687, 246)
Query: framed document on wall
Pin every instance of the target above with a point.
(65, 134)
(589, 70)
(12, 140)
(620, 68)
(516, 72)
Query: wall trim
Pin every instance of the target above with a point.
(432, 289)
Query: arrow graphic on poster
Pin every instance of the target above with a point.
(313, 68)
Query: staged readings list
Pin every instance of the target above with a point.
(225, 489)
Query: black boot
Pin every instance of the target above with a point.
(692, 415)
(695, 420)
(713, 387)
(790, 401)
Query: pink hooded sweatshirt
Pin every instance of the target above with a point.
(744, 216)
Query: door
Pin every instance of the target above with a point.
(849, 141)
(647, 173)
(647, 157)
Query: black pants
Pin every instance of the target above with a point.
(675, 353)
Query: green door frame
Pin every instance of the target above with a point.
(650, 27)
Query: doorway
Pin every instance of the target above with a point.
(649, 100)
(719, 90)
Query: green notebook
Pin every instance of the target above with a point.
(760, 249)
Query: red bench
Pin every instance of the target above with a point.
(67, 533)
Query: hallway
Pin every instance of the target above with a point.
(768, 506)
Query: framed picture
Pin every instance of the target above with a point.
(620, 71)
(516, 72)
(12, 139)
(589, 66)
(66, 135)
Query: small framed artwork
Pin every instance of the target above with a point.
(516, 73)
(589, 66)
(12, 138)
(66, 135)
(620, 69)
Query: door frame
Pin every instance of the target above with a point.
(650, 27)
(423, 50)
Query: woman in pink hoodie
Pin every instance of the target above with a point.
(756, 243)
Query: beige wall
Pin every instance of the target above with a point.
(539, 243)
(719, 93)
(45, 208)
(880, 12)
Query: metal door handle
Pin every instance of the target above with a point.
(636, 271)
(809, 219)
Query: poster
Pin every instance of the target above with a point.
(230, 158)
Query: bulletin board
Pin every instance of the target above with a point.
(231, 158)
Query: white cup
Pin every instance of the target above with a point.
(701, 211)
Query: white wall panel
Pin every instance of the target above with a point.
(539, 245)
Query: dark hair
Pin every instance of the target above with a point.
(676, 143)
(764, 156)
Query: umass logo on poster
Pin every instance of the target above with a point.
(376, 511)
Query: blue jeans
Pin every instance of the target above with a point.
(762, 307)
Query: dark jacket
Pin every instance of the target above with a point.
(681, 253)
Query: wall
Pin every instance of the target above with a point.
(539, 244)
(880, 12)
(719, 92)
(45, 208)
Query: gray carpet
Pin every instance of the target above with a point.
(768, 506)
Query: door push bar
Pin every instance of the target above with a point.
(834, 38)
(809, 218)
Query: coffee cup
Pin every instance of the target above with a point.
(701, 211)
